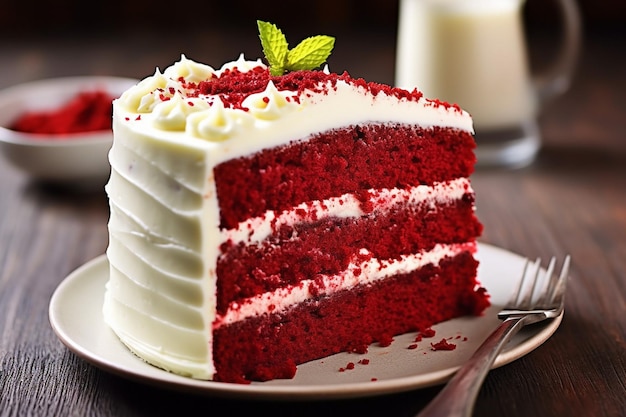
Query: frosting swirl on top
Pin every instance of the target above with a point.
(140, 98)
(242, 99)
(217, 123)
(176, 105)
(241, 64)
(191, 71)
(270, 104)
(172, 114)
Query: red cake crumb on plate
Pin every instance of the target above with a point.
(443, 344)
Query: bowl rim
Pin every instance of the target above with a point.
(67, 80)
(102, 136)
(39, 140)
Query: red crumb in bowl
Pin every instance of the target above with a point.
(86, 112)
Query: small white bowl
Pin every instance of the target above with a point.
(76, 157)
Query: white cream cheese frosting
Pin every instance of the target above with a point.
(164, 223)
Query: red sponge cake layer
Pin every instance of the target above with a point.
(295, 253)
(270, 346)
(341, 161)
(341, 240)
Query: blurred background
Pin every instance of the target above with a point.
(90, 33)
(131, 38)
(119, 18)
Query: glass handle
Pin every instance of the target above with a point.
(557, 79)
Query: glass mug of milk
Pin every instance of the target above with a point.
(473, 53)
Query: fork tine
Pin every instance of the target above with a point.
(559, 289)
(518, 291)
(459, 395)
(549, 284)
(526, 294)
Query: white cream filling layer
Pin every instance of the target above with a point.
(257, 229)
(357, 273)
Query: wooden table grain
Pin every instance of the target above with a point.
(572, 200)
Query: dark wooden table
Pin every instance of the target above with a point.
(572, 200)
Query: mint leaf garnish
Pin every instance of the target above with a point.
(308, 54)
(275, 46)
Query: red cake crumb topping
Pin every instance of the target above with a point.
(246, 350)
(233, 86)
(363, 157)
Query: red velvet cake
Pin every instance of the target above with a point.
(261, 221)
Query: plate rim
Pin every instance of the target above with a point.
(543, 332)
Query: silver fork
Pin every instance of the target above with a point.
(457, 398)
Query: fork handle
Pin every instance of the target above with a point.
(457, 398)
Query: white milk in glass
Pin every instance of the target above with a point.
(473, 53)
(470, 52)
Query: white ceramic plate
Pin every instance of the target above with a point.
(76, 317)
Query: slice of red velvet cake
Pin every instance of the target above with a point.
(261, 221)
